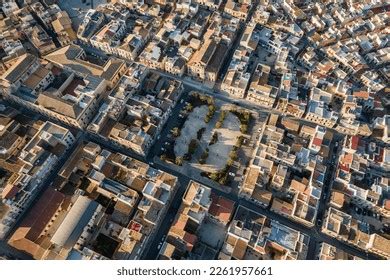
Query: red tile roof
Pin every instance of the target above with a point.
(70, 89)
(41, 213)
(344, 167)
(355, 142)
(317, 141)
(190, 239)
(361, 94)
(379, 158)
(221, 208)
(135, 226)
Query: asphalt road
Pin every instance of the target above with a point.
(315, 235)
(197, 85)
(50, 32)
(236, 42)
(330, 175)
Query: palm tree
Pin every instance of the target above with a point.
(163, 157)
(175, 132)
(189, 107)
(179, 161)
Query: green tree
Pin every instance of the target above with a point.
(195, 94)
(202, 98)
(239, 141)
(176, 132)
(247, 116)
(223, 180)
(189, 107)
(244, 128)
(214, 176)
(230, 162)
(203, 157)
(163, 157)
(222, 116)
(192, 146)
(179, 161)
(210, 100)
(233, 155)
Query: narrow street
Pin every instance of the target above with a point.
(235, 43)
(315, 234)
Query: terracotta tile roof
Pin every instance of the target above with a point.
(317, 141)
(298, 186)
(361, 94)
(35, 222)
(190, 239)
(221, 208)
(355, 142)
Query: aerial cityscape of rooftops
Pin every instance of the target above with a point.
(194, 130)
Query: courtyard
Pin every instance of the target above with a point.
(209, 140)
(218, 150)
